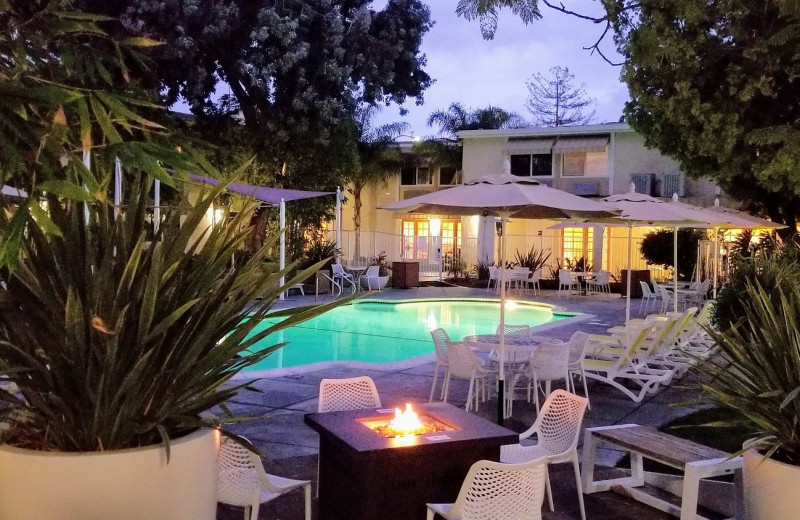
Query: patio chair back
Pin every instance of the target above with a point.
(558, 426)
(493, 490)
(440, 340)
(577, 346)
(462, 361)
(338, 270)
(353, 393)
(646, 292)
(523, 330)
(564, 277)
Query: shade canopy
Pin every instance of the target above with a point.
(271, 196)
(508, 196)
(753, 221)
(10, 191)
(580, 144)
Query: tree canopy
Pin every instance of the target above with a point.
(556, 101)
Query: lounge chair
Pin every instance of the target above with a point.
(616, 370)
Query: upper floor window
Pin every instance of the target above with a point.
(447, 175)
(538, 164)
(414, 175)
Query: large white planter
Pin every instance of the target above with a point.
(131, 484)
(771, 488)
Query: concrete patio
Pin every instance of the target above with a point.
(291, 447)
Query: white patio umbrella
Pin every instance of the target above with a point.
(504, 196)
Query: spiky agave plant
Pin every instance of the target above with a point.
(116, 339)
(756, 373)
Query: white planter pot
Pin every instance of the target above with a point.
(131, 484)
(771, 488)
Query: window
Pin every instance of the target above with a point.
(415, 239)
(578, 244)
(451, 237)
(447, 175)
(574, 164)
(539, 164)
(413, 175)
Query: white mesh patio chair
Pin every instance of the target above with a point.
(601, 283)
(242, 481)
(464, 364)
(534, 281)
(557, 430)
(494, 276)
(440, 340)
(565, 280)
(494, 491)
(354, 393)
(343, 278)
(550, 362)
(577, 352)
(519, 278)
(511, 357)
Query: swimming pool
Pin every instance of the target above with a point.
(380, 331)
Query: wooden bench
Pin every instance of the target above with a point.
(695, 460)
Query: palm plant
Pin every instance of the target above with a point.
(756, 374)
(457, 118)
(117, 341)
(533, 259)
(379, 157)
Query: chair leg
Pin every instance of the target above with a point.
(578, 484)
(446, 388)
(469, 394)
(585, 388)
(431, 514)
(547, 487)
(254, 512)
(307, 493)
(433, 384)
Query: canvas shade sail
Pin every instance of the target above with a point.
(504, 196)
(271, 196)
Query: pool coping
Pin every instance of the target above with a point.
(409, 363)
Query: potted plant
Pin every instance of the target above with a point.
(384, 268)
(756, 376)
(118, 347)
(115, 341)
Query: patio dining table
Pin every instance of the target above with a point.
(357, 271)
(582, 277)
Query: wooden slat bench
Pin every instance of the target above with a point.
(695, 460)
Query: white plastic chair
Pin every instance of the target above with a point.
(601, 283)
(647, 296)
(493, 491)
(354, 393)
(565, 280)
(440, 340)
(550, 362)
(464, 364)
(343, 277)
(494, 356)
(519, 278)
(577, 352)
(242, 481)
(372, 277)
(557, 430)
(494, 275)
(534, 281)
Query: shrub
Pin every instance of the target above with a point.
(383, 264)
(770, 268)
(657, 249)
(533, 260)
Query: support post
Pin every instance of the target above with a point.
(339, 196)
(716, 260)
(675, 266)
(501, 394)
(157, 206)
(282, 258)
(117, 187)
(87, 161)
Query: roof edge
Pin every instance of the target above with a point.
(554, 131)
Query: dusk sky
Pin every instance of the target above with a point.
(477, 73)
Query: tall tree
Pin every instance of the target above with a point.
(457, 118)
(379, 157)
(297, 69)
(556, 101)
(713, 84)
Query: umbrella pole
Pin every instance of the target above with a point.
(675, 266)
(628, 288)
(501, 396)
(716, 260)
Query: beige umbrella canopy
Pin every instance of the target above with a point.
(504, 196)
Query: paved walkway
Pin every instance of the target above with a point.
(291, 447)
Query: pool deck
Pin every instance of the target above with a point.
(291, 447)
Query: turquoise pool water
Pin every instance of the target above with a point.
(375, 331)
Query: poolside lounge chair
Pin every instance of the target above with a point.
(557, 429)
(624, 367)
(242, 481)
(493, 490)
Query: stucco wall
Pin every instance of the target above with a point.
(483, 157)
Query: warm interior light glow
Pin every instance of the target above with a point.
(436, 227)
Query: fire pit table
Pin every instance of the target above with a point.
(366, 475)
